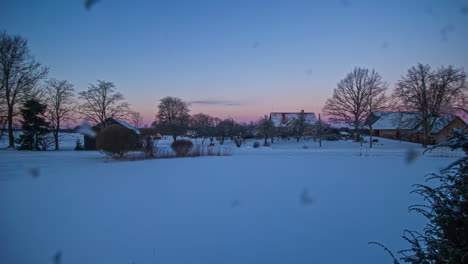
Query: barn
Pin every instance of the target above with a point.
(90, 141)
(407, 126)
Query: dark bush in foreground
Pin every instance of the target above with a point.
(256, 144)
(182, 147)
(444, 239)
(238, 142)
(117, 140)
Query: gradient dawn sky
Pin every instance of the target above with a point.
(239, 59)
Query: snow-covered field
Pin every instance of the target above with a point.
(283, 204)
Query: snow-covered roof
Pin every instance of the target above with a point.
(439, 123)
(127, 125)
(408, 120)
(284, 119)
(110, 121)
(396, 120)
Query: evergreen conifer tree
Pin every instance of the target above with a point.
(33, 125)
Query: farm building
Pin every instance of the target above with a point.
(407, 126)
(90, 141)
(443, 128)
(393, 125)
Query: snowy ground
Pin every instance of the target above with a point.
(283, 204)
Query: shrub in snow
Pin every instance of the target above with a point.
(305, 147)
(256, 144)
(182, 147)
(117, 140)
(238, 142)
(266, 144)
(375, 140)
(78, 145)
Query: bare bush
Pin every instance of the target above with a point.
(238, 142)
(182, 147)
(256, 144)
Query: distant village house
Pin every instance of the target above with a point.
(285, 119)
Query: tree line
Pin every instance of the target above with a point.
(42, 105)
(27, 94)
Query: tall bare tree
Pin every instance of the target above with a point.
(102, 101)
(19, 76)
(61, 105)
(3, 115)
(354, 97)
(431, 93)
(173, 116)
(136, 119)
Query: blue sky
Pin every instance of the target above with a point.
(239, 59)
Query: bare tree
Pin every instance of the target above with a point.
(225, 129)
(3, 116)
(213, 128)
(266, 128)
(376, 98)
(300, 125)
(201, 123)
(173, 116)
(431, 93)
(320, 128)
(136, 119)
(61, 105)
(354, 97)
(459, 104)
(102, 101)
(19, 76)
